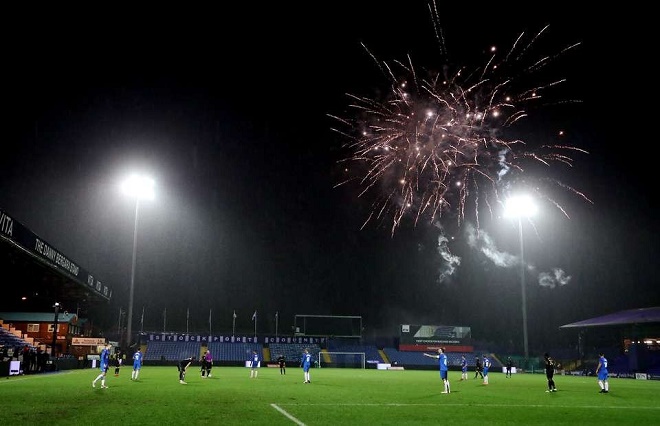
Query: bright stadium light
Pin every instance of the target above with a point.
(141, 188)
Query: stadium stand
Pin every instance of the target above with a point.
(233, 352)
(293, 351)
(418, 360)
(371, 352)
(171, 351)
(654, 363)
(11, 338)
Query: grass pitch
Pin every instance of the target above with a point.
(334, 397)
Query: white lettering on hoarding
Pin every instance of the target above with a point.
(55, 257)
(6, 225)
(87, 341)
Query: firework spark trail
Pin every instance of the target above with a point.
(436, 144)
(437, 28)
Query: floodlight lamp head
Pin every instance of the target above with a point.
(139, 186)
(520, 206)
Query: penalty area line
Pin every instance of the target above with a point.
(287, 415)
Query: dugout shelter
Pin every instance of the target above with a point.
(635, 332)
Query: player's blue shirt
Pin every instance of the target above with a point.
(137, 359)
(443, 362)
(255, 360)
(105, 359)
(306, 360)
(603, 365)
(464, 364)
(486, 364)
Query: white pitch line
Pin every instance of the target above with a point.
(289, 416)
(23, 378)
(477, 405)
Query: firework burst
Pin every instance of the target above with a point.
(437, 145)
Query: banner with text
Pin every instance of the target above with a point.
(164, 337)
(424, 338)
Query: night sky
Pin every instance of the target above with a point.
(228, 109)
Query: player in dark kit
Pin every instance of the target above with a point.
(282, 363)
(118, 362)
(478, 368)
(550, 372)
(509, 365)
(183, 366)
(207, 364)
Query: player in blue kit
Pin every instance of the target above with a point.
(306, 363)
(254, 364)
(486, 368)
(602, 373)
(137, 364)
(464, 368)
(104, 364)
(442, 362)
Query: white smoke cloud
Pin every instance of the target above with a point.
(554, 278)
(451, 261)
(482, 242)
(479, 240)
(504, 165)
